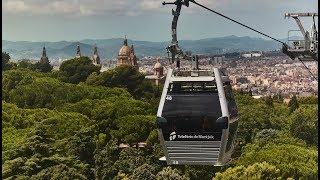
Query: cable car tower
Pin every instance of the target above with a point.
(305, 49)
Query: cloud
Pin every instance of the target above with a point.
(93, 7)
(130, 7)
(38, 7)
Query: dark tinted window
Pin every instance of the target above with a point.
(191, 104)
(187, 87)
(191, 124)
(232, 106)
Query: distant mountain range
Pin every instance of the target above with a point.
(108, 48)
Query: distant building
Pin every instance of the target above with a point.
(218, 60)
(158, 75)
(127, 55)
(252, 54)
(44, 59)
(78, 52)
(257, 96)
(96, 57)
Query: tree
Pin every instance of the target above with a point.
(27, 90)
(124, 76)
(133, 129)
(308, 100)
(26, 63)
(292, 159)
(168, 173)
(129, 160)
(199, 172)
(269, 101)
(305, 124)
(250, 92)
(257, 171)
(77, 70)
(278, 98)
(105, 159)
(293, 104)
(144, 172)
(265, 136)
(60, 171)
(6, 65)
(43, 66)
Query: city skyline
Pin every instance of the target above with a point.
(34, 20)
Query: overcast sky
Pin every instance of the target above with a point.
(56, 20)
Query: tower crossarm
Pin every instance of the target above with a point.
(287, 15)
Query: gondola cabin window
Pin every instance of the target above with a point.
(232, 106)
(193, 87)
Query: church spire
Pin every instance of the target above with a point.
(78, 53)
(125, 42)
(95, 58)
(95, 50)
(132, 49)
(44, 53)
(44, 58)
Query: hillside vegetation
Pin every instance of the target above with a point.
(55, 127)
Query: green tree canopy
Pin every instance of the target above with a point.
(27, 64)
(257, 171)
(43, 66)
(144, 172)
(134, 129)
(6, 64)
(171, 174)
(269, 101)
(305, 124)
(293, 103)
(292, 159)
(124, 76)
(77, 70)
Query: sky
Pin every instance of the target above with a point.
(74, 20)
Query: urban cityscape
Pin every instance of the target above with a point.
(262, 73)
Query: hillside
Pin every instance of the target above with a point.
(53, 129)
(108, 48)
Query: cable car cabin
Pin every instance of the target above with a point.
(197, 118)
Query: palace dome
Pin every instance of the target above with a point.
(157, 65)
(124, 50)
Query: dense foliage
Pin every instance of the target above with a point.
(6, 64)
(124, 76)
(77, 70)
(91, 130)
(43, 66)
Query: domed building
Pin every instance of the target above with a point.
(126, 55)
(158, 69)
(158, 75)
(44, 59)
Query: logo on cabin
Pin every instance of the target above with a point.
(172, 136)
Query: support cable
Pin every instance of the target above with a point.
(284, 44)
(237, 22)
(308, 70)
